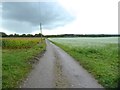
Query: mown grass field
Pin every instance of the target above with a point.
(17, 54)
(98, 55)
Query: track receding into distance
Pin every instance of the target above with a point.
(57, 69)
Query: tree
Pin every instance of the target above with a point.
(29, 35)
(3, 34)
(11, 35)
(38, 35)
(23, 35)
(16, 35)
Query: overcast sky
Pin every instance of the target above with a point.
(60, 17)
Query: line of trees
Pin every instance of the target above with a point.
(61, 35)
(17, 35)
(84, 35)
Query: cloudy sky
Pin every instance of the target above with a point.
(59, 16)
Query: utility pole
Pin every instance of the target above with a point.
(41, 31)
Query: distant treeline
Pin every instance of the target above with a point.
(84, 35)
(61, 35)
(17, 35)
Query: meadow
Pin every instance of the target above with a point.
(97, 55)
(17, 55)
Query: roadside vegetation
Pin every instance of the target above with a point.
(98, 55)
(17, 54)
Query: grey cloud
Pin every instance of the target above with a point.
(24, 16)
(18, 27)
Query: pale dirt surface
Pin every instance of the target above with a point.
(57, 69)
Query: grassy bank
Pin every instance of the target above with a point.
(98, 55)
(16, 60)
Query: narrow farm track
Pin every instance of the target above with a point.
(57, 69)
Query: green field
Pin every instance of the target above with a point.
(17, 57)
(98, 55)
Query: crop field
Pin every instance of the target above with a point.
(17, 55)
(98, 55)
(15, 43)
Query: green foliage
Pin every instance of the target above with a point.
(98, 55)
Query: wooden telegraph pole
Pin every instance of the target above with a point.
(41, 31)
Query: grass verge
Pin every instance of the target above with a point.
(16, 64)
(102, 62)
